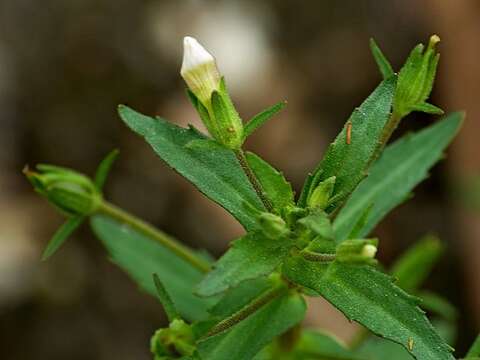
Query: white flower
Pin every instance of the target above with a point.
(199, 70)
(369, 251)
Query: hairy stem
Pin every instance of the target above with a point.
(318, 257)
(247, 310)
(253, 179)
(150, 231)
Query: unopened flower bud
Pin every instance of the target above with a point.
(70, 191)
(415, 80)
(369, 251)
(273, 226)
(208, 93)
(357, 251)
(322, 194)
(199, 70)
(177, 339)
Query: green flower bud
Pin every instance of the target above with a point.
(273, 226)
(415, 80)
(208, 93)
(175, 341)
(70, 191)
(320, 197)
(357, 251)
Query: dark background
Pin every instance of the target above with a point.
(64, 67)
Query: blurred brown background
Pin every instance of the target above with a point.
(65, 65)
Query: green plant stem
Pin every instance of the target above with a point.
(318, 257)
(253, 179)
(151, 232)
(247, 310)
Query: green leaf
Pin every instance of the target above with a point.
(439, 305)
(401, 167)
(382, 62)
(104, 168)
(413, 267)
(474, 349)
(428, 108)
(348, 162)
(249, 257)
(61, 235)
(217, 174)
(304, 272)
(141, 257)
(278, 189)
(165, 300)
(238, 297)
(369, 297)
(245, 339)
(321, 345)
(261, 118)
(375, 348)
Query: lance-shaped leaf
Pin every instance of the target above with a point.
(165, 299)
(261, 118)
(349, 156)
(249, 257)
(391, 179)
(104, 169)
(413, 267)
(277, 188)
(61, 235)
(141, 257)
(248, 337)
(319, 345)
(370, 297)
(217, 173)
(382, 62)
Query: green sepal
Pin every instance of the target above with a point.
(382, 62)
(61, 235)
(228, 129)
(201, 110)
(104, 168)
(165, 299)
(260, 119)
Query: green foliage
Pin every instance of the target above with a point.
(260, 119)
(245, 339)
(250, 302)
(141, 257)
(370, 297)
(348, 157)
(250, 257)
(61, 235)
(392, 178)
(217, 174)
(415, 265)
(382, 62)
(474, 351)
(277, 189)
